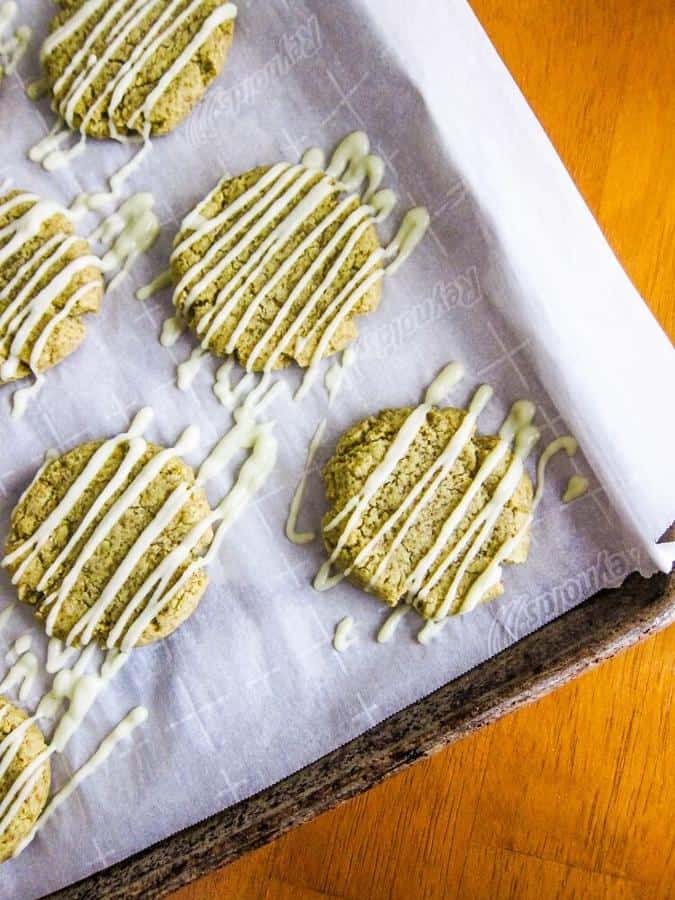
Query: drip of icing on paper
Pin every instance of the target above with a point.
(335, 373)
(292, 533)
(129, 231)
(171, 331)
(391, 623)
(160, 283)
(344, 634)
(443, 383)
(24, 668)
(333, 382)
(429, 631)
(6, 614)
(85, 202)
(577, 486)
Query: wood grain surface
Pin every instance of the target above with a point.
(573, 797)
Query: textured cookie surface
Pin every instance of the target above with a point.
(48, 281)
(26, 746)
(274, 265)
(120, 67)
(416, 525)
(95, 568)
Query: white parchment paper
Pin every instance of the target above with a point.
(514, 279)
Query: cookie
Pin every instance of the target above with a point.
(409, 506)
(49, 279)
(21, 742)
(106, 543)
(274, 266)
(123, 67)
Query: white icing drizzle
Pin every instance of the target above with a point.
(129, 231)
(58, 655)
(333, 381)
(443, 383)
(314, 158)
(492, 573)
(336, 372)
(188, 370)
(171, 331)
(122, 730)
(11, 743)
(162, 584)
(6, 614)
(84, 203)
(284, 193)
(22, 644)
(391, 623)
(37, 541)
(12, 48)
(81, 691)
(412, 230)
(577, 486)
(356, 506)
(24, 668)
(252, 476)
(429, 631)
(32, 306)
(482, 525)
(292, 533)
(117, 23)
(84, 628)
(22, 398)
(47, 151)
(162, 281)
(228, 395)
(214, 20)
(435, 563)
(344, 637)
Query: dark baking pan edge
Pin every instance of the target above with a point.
(596, 630)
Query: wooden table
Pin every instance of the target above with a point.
(575, 795)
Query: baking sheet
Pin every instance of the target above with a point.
(514, 279)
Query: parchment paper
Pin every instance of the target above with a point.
(514, 279)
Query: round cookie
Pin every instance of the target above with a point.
(49, 279)
(136, 526)
(386, 569)
(19, 753)
(125, 67)
(275, 265)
